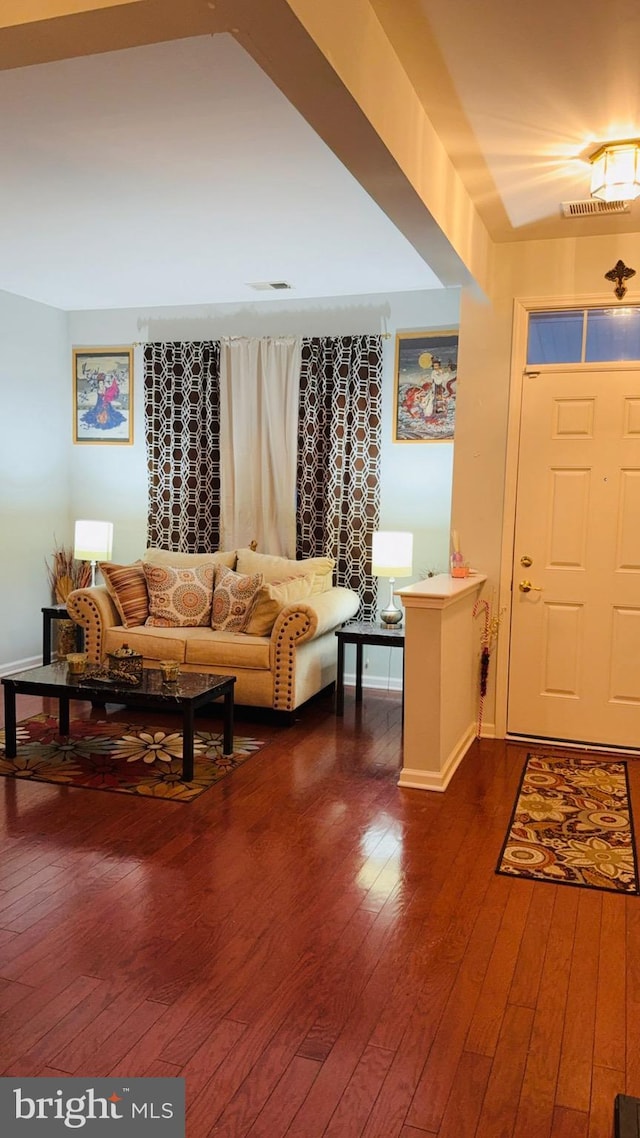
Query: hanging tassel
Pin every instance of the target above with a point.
(484, 671)
(485, 656)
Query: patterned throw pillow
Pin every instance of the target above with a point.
(234, 596)
(127, 588)
(272, 598)
(179, 598)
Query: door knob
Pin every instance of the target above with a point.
(527, 587)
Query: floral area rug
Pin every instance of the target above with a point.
(572, 825)
(129, 759)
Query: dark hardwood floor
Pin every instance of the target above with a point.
(316, 951)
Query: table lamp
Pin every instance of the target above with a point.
(392, 555)
(93, 542)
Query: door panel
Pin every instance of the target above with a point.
(562, 637)
(624, 682)
(573, 418)
(569, 496)
(575, 630)
(628, 536)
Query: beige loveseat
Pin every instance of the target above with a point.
(280, 668)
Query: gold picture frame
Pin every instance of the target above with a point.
(426, 375)
(103, 395)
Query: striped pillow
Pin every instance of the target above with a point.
(127, 587)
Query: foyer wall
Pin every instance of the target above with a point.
(571, 269)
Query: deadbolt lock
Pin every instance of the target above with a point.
(526, 561)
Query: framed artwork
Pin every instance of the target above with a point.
(424, 405)
(103, 395)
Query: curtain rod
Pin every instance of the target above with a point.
(280, 335)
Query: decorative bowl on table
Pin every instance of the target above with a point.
(125, 665)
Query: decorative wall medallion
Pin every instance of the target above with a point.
(620, 273)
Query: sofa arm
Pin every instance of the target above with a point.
(304, 620)
(93, 609)
(301, 621)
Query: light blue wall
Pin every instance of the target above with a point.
(415, 478)
(48, 481)
(35, 411)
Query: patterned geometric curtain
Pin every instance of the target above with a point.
(338, 505)
(182, 413)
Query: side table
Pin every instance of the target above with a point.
(49, 614)
(360, 633)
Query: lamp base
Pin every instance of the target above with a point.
(391, 618)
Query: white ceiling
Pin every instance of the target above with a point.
(178, 173)
(539, 86)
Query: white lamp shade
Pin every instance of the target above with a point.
(392, 554)
(93, 541)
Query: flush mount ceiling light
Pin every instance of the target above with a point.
(615, 172)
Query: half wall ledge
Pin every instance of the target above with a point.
(440, 678)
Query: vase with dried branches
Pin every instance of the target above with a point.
(66, 574)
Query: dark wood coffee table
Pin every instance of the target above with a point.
(191, 691)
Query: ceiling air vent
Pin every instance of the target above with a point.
(593, 206)
(262, 286)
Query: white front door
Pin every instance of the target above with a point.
(574, 670)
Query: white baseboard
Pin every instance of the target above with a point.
(438, 779)
(20, 665)
(376, 683)
(488, 731)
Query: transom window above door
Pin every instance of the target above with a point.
(584, 335)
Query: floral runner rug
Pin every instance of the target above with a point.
(129, 759)
(572, 825)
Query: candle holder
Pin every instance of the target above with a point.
(170, 671)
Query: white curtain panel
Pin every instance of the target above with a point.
(259, 388)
